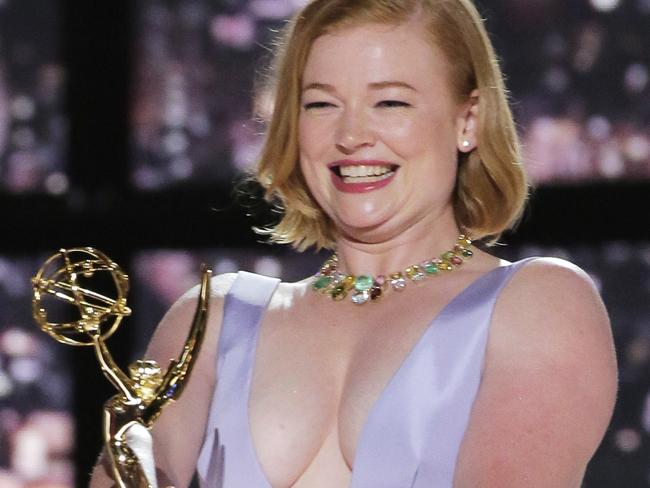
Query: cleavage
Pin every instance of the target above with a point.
(329, 381)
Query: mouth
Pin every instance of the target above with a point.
(362, 175)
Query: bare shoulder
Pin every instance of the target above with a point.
(172, 330)
(551, 321)
(550, 358)
(219, 287)
(176, 454)
(549, 291)
(552, 303)
(552, 310)
(549, 273)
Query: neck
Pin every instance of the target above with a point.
(418, 243)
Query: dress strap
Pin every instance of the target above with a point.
(244, 307)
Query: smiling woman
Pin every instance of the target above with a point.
(364, 118)
(391, 142)
(439, 72)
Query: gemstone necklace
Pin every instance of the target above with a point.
(366, 288)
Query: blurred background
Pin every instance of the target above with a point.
(124, 124)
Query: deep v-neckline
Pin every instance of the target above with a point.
(383, 392)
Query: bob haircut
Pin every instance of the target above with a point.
(491, 188)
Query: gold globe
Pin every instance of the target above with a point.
(68, 276)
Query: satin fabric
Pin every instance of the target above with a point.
(413, 432)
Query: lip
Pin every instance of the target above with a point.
(360, 187)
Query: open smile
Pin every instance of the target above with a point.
(362, 176)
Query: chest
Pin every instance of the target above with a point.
(317, 377)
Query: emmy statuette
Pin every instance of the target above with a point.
(143, 393)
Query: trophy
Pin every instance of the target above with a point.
(68, 276)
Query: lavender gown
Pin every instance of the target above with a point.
(413, 432)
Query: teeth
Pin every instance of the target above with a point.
(360, 171)
(367, 179)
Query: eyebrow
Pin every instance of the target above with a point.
(375, 86)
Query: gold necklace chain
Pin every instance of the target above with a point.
(367, 288)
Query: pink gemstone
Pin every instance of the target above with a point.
(456, 260)
(380, 280)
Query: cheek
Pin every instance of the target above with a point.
(400, 128)
(439, 129)
(312, 137)
(311, 148)
(416, 136)
(308, 172)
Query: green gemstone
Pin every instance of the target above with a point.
(363, 283)
(467, 253)
(322, 283)
(431, 268)
(448, 255)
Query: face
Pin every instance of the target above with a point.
(379, 129)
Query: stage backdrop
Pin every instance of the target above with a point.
(579, 74)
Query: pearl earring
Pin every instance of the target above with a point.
(466, 143)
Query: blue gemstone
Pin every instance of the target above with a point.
(172, 389)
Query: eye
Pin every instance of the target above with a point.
(393, 103)
(315, 105)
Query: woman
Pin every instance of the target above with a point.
(435, 364)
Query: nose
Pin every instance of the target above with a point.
(354, 131)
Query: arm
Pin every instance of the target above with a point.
(548, 387)
(180, 370)
(178, 433)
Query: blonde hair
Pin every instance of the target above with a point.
(491, 188)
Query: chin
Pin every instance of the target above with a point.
(358, 219)
(364, 228)
(367, 212)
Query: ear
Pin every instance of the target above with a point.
(467, 123)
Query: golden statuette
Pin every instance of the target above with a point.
(70, 276)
